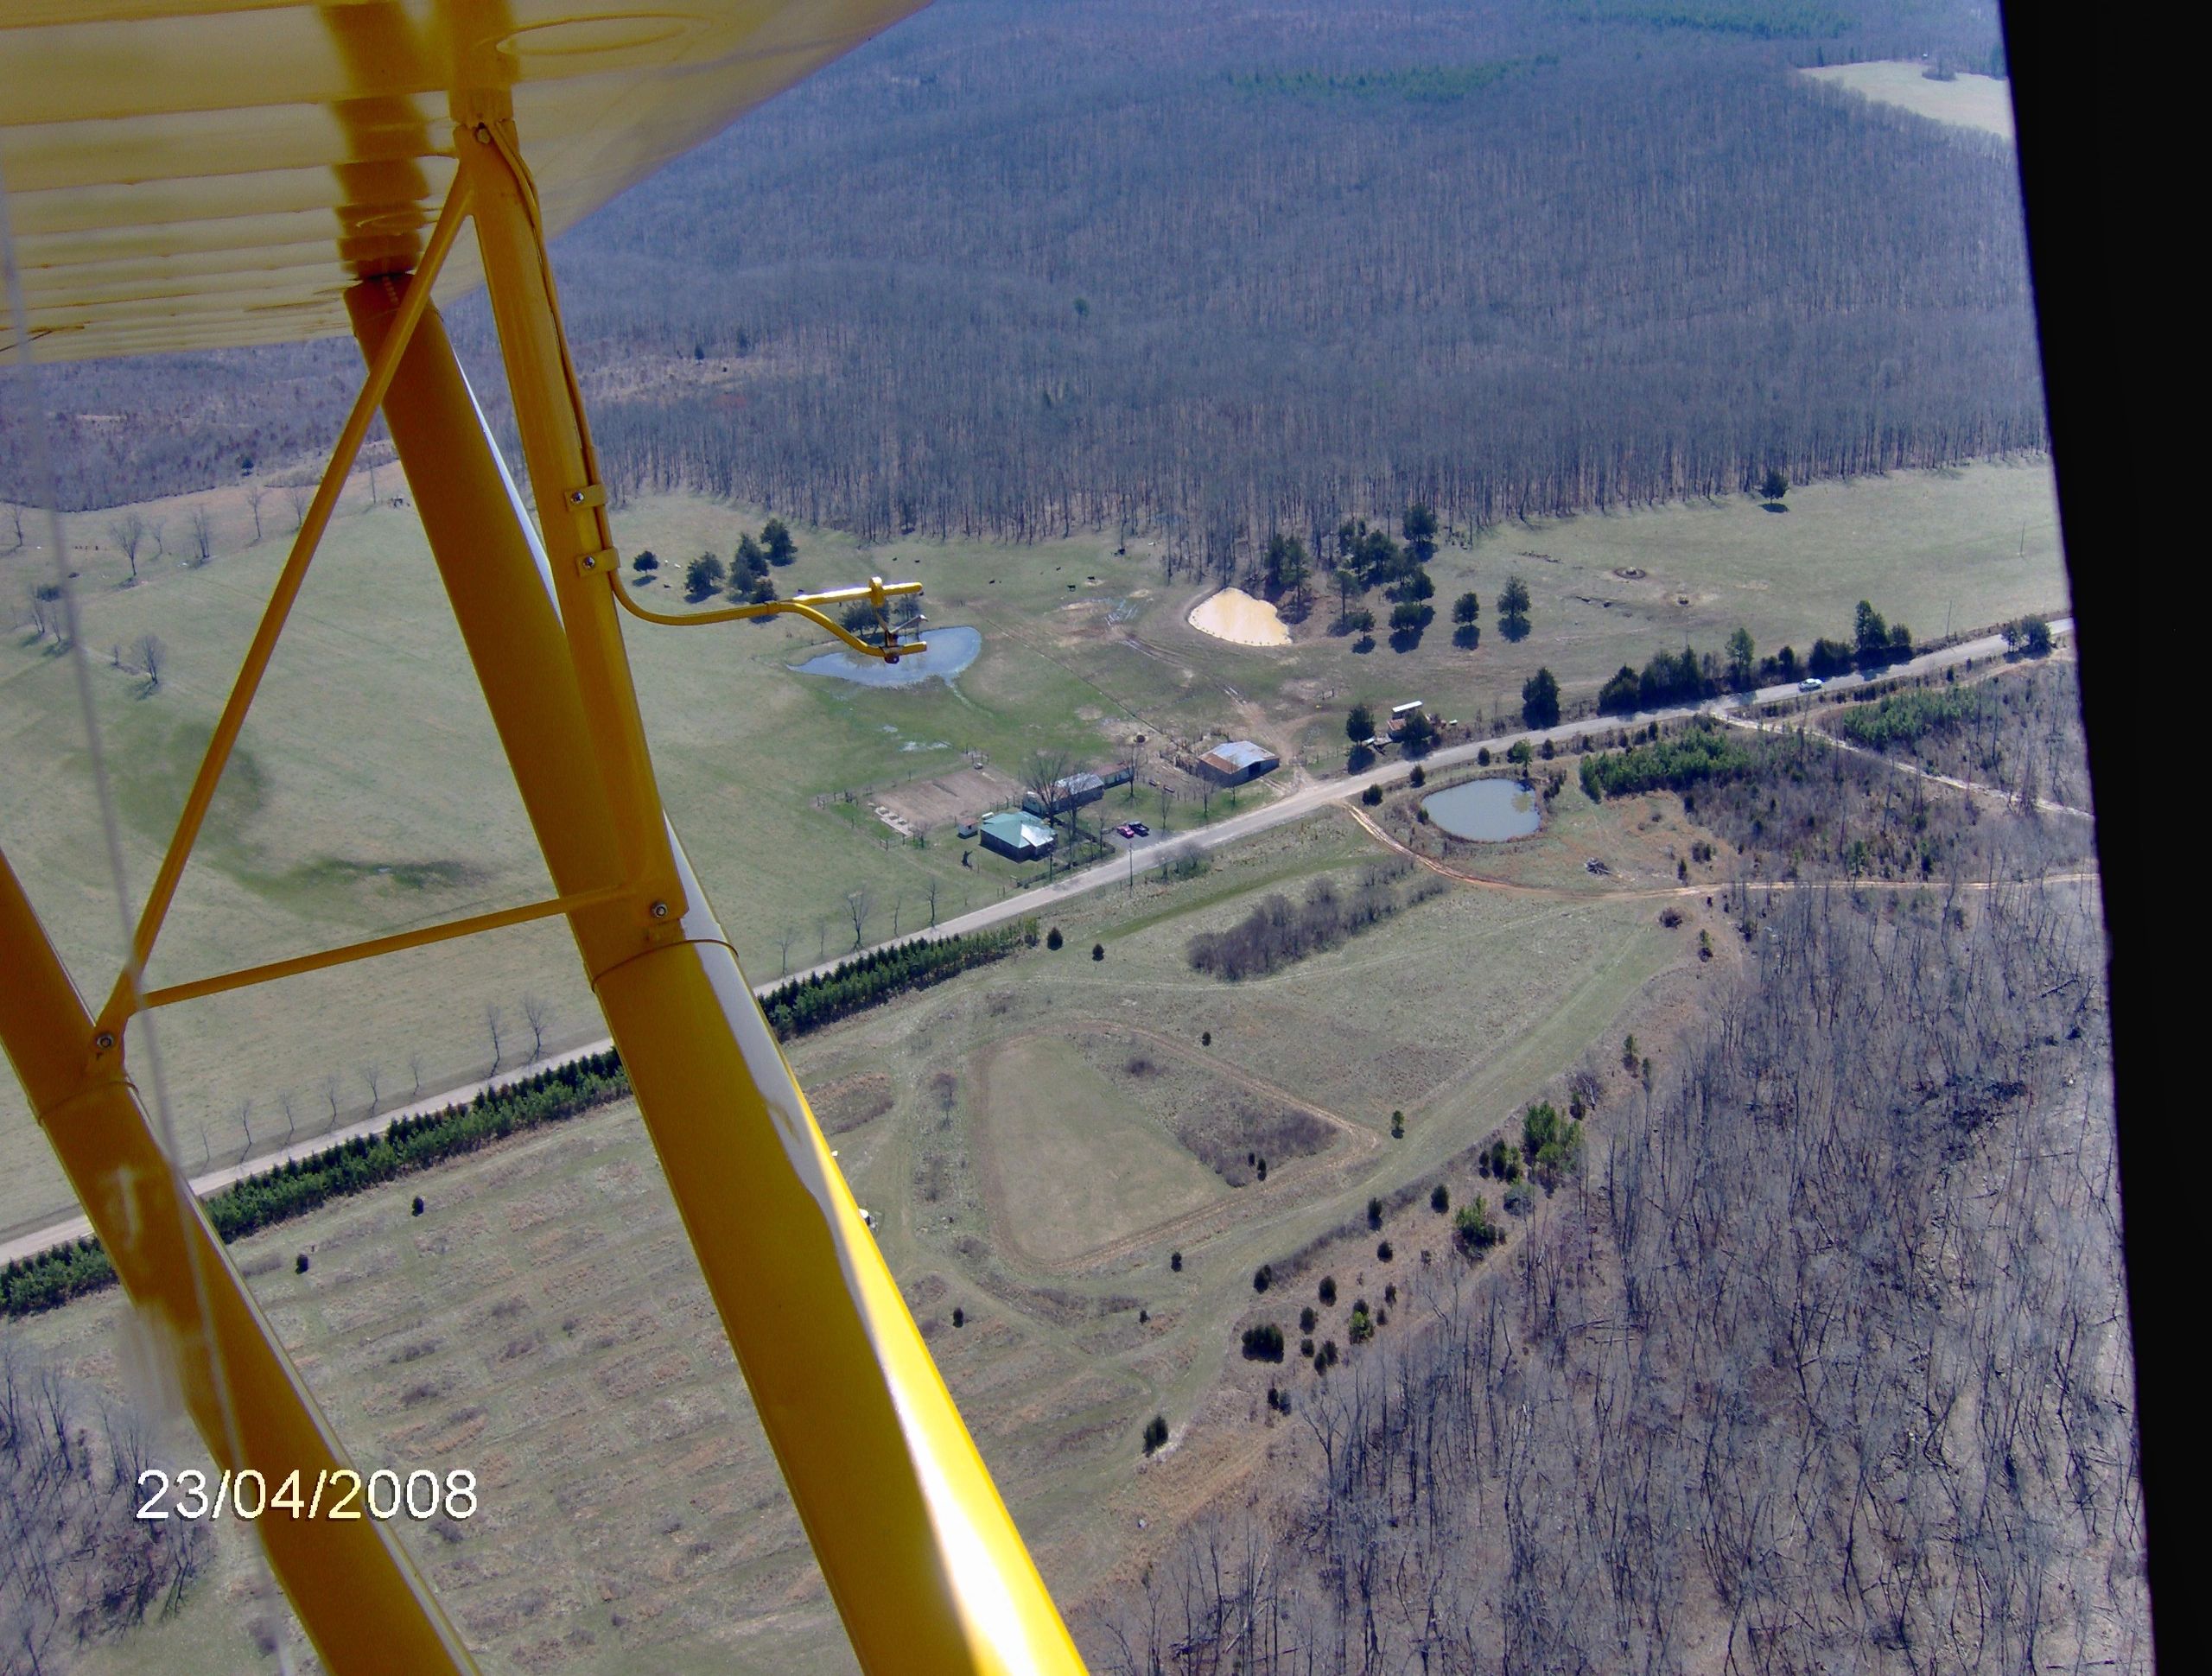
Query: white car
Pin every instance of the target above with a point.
(1811, 684)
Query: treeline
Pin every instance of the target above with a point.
(1217, 272)
(54, 1277)
(868, 979)
(1826, 1361)
(298, 1185)
(1692, 676)
(1278, 933)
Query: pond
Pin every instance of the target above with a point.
(951, 650)
(1486, 810)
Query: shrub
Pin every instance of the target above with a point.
(300, 1265)
(1263, 1344)
(1482, 756)
(959, 1316)
(1384, 1252)
(1278, 931)
(1420, 776)
(1307, 1318)
(1371, 796)
(1375, 1213)
(1473, 1229)
(1704, 751)
(1155, 1433)
(1327, 1290)
(1327, 1358)
(1397, 1125)
(1904, 717)
(1439, 1198)
(1305, 1349)
(1262, 1277)
(418, 1205)
(1362, 1327)
(1053, 939)
(1175, 1262)
(1098, 951)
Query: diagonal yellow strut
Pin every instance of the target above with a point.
(289, 581)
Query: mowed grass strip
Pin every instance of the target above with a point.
(1072, 1162)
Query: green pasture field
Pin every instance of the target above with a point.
(542, 1324)
(368, 793)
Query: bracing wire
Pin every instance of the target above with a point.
(154, 1085)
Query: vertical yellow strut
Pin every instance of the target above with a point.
(358, 1596)
(918, 1549)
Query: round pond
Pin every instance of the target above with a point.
(1486, 810)
(951, 650)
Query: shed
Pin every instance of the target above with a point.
(1238, 760)
(1017, 835)
(1072, 793)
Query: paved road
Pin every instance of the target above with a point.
(1296, 805)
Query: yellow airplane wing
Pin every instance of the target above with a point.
(205, 173)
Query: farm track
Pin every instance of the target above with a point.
(1996, 795)
(1659, 892)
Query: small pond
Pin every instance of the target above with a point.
(1486, 810)
(951, 650)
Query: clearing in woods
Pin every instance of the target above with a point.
(368, 793)
(1963, 101)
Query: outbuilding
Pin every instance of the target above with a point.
(1072, 793)
(1017, 836)
(1238, 760)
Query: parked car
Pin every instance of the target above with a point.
(1140, 828)
(1811, 684)
(1126, 830)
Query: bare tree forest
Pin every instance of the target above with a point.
(1822, 1364)
(1223, 271)
(76, 1567)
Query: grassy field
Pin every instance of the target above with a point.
(1073, 1164)
(368, 792)
(541, 1322)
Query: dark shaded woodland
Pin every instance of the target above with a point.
(1822, 1364)
(1015, 267)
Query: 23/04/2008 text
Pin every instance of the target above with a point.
(343, 1494)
